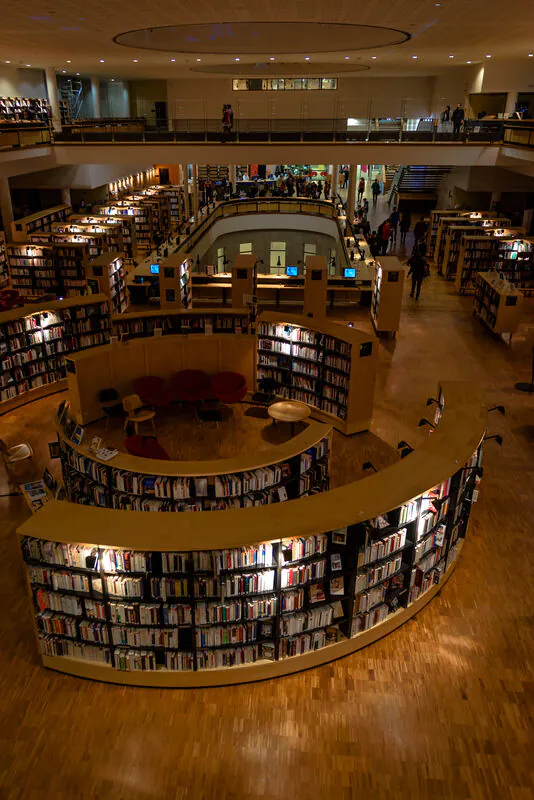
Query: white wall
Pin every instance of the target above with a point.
(22, 82)
(115, 98)
(355, 97)
(508, 76)
(85, 176)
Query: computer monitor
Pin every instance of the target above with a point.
(292, 272)
(349, 272)
(154, 269)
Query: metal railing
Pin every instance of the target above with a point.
(272, 130)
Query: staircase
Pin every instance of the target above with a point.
(71, 94)
(391, 171)
(417, 185)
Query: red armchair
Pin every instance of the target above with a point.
(229, 387)
(152, 391)
(190, 385)
(146, 447)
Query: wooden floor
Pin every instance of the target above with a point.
(442, 708)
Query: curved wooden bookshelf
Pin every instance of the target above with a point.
(433, 484)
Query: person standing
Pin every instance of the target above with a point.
(418, 271)
(346, 174)
(458, 116)
(365, 206)
(326, 189)
(361, 189)
(446, 114)
(405, 225)
(375, 187)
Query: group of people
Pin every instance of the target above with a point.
(457, 117)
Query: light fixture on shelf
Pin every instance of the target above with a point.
(424, 421)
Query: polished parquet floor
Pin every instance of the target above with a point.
(442, 708)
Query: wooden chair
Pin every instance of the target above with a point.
(20, 455)
(136, 413)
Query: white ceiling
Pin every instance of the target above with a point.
(56, 32)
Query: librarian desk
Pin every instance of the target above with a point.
(199, 543)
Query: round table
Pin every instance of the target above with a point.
(288, 411)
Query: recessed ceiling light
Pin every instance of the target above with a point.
(8, 62)
(451, 56)
(530, 55)
(199, 59)
(488, 55)
(173, 59)
(69, 62)
(237, 59)
(374, 58)
(101, 60)
(414, 56)
(271, 58)
(135, 60)
(467, 62)
(347, 58)
(306, 58)
(28, 65)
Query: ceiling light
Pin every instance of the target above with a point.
(488, 55)
(306, 58)
(173, 59)
(437, 5)
(199, 59)
(28, 65)
(347, 58)
(69, 62)
(271, 58)
(530, 55)
(451, 56)
(135, 60)
(8, 62)
(414, 56)
(373, 57)
(112, 79)
(101, 60)
(467, 62)
(237, 59)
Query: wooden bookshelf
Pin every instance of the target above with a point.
(4, 267)
(183, 321)
(52, 263)
(329, 366)
(35, 339)
(452, 239)
(503, 250)
(386, 301)
(40, 221)
(439, 221)
(211, 599)
(24, 109)
(298, 468)
(140, 213)
(127, 243)
(105, 274)
(433, 228)
(497, 303)
(175, 288)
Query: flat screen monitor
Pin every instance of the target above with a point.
(292, 272)
(349, 272)
(154, 269)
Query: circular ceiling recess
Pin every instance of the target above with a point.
(251, 38)
(281, 68)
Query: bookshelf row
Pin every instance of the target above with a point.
(497, 302)
(206, 609)
(4, 268)
(40, 221)
(509, 255)
(33, 347)
(91, 482)
(308, 366)
(24, 109)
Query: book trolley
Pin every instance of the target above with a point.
(244, 594)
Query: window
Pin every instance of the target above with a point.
(283, 84)
(220, 259)
(278, 258)
(245, 248)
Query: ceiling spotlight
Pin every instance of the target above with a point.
(347, 58)
(437, 5)
(530, 55)
(467, 62)
(135, 60)
(199, 59)
(173, 59)
(112, 79)
(451, 56)
(306, 58)
(414, 57)
(237, 59)
(101, 60)
(28, 65)
(271, 58)
(69, 62)
(374, 58)
(7, 62)
(488, 55)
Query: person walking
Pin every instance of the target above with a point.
(385, 232)
(346, 174)
(405, 225)
(365, 206)
(458, 116)
(375, 188)
(394, 222)
(419, 232)
(361, 189)
(418, 271)
(372, 241)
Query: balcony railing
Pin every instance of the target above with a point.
(125, 131)
(13, 135)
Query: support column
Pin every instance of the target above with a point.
(335, 181)
(6, 209)
(95, 96)
(65, 197)
(232, 172)
(351, 192)
(511, 100)
(53, 97)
